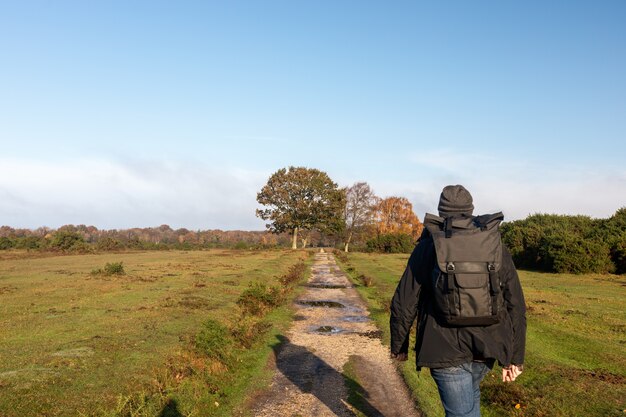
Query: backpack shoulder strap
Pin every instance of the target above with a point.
(489, 221)
(433, 223)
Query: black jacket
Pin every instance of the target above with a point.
(438, 346)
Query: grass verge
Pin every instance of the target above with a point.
(576, 343)
(125, 345)
(230, 359)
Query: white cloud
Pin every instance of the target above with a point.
(131, 193)
(137, 192)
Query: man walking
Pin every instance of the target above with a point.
(461, 284)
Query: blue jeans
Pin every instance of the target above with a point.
(459, 388)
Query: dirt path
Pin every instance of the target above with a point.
(331, 330)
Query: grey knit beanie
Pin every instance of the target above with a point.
(454, 200)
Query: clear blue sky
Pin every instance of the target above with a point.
(122, 114)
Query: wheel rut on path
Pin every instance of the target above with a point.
(332, 328)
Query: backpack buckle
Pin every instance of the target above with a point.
(450, 267)
(491, 267)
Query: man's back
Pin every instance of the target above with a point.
(450, 349)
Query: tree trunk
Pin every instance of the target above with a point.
(348, 242)
(294, 242)
(304, 242)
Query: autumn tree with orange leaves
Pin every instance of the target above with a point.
(394, 215)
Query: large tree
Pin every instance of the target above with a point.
(298, 198)
(395, 215)
(359, 211)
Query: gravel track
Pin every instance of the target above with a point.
(309, 379)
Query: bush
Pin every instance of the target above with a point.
(247, 330)
(566, 252)
(523, 241)
(30, 242)
(134, 243)
(294, 274)
(109, 244)
(6, 243)
(574, 244)
(68, 241)
(618, 253)
(241, 245)
(214, 341)
(258, 299)
(391, 243)
(113, 268)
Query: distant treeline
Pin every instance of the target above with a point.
(81, 238)
(575, 244)
(543, 242)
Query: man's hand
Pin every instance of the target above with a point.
(511, 372)
(399, 356)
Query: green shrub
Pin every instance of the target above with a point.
(574, 244)
(113, 268)
(618, 220)
(618, 253)
(109, 244)
(65, 240)
(391, 243)
(214, 340)
(241, 245)
(6, 243)
(30, 242)
(135, 243)
(566, 252)
(258, 299)
(523, 241)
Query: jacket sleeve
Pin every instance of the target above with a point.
(405, 300)
(515, 305)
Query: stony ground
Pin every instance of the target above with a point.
(331, 329)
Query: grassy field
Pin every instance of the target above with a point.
(77, 343)
(576, 346)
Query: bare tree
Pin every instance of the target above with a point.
(359, 210)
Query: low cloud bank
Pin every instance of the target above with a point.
(198, 195)
(123, 194)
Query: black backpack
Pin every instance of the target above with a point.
(465, 280)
